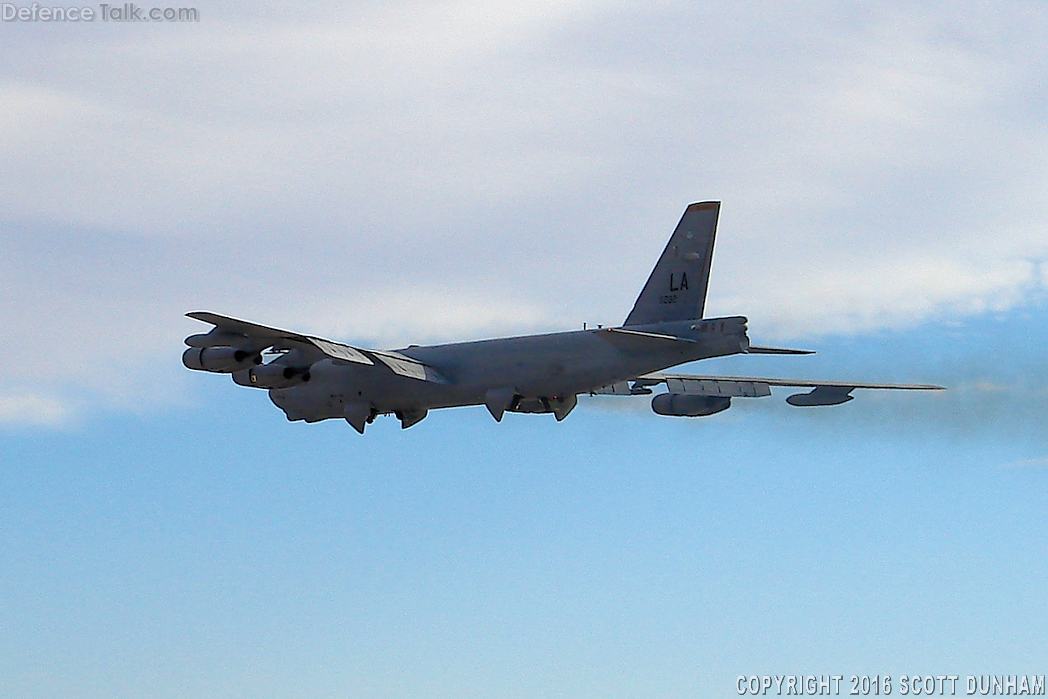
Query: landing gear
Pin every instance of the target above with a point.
(359, 415)
(410, 417)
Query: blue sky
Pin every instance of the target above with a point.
(383, 174)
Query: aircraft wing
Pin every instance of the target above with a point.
(281, 339)
(231, 331)
(822, 393)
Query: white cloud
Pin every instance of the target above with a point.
(31, 408)
(429, 171)
(398, 317)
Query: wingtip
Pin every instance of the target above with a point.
(206, 317)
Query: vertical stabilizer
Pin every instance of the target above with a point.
(676, 289)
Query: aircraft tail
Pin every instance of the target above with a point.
(676, 289)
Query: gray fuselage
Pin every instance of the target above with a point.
(554, 365)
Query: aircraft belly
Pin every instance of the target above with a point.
(543, 365)
(539, 366)
(334, 385)
(532, 365)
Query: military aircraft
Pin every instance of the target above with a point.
(314, 379)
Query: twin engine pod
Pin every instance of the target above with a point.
(272, 375)
(688, 405)
(221, 360)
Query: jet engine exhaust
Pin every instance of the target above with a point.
(221, 360)
(272, 376)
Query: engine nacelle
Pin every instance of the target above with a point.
(272, 376)
(222, 360)
(687, 405)
(823, 395)
(218, 338)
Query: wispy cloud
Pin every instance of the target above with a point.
(33, 408)
(1029, 463)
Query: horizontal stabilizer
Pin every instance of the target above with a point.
(638, 340)
(776, 350)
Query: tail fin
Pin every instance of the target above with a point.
(676, 289)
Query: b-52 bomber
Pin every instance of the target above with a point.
(314, 379)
